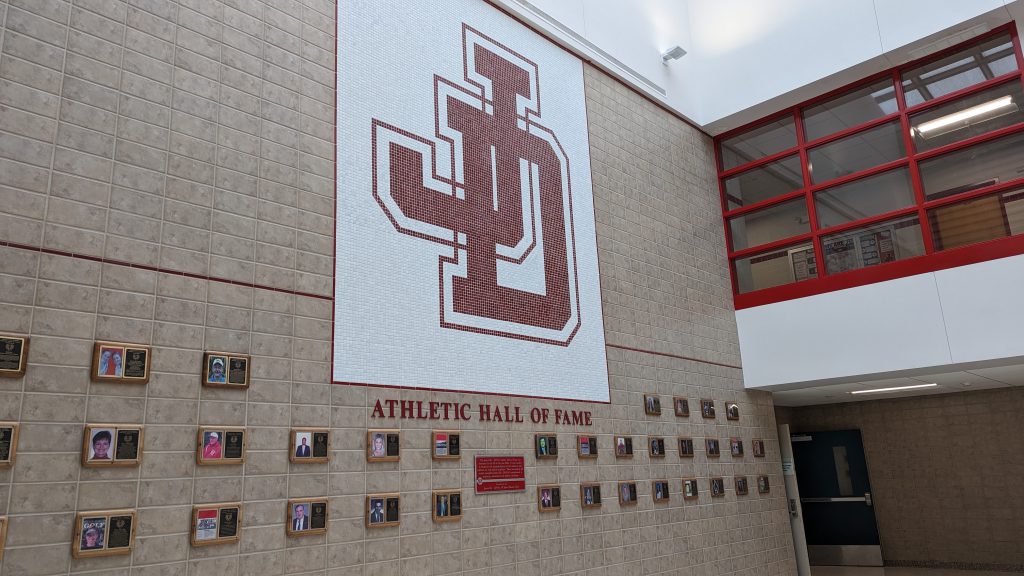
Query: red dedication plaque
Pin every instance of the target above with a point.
(500, 474)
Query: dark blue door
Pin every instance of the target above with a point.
(835, 494)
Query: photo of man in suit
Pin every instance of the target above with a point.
(376, 510)
(302, 445)
(300, 521)
(442, 505)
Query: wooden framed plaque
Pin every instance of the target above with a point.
(549, 498)
(707, 408)
(758, 447)
(226, 370)
(309, 445)
(652, 405)
(623, 447)
(383, 510)
(627, 493)
(446, 505)
(216, 523)
(112, 445)
(447, 445)
(682, 406)
(307, 516)
(659, 490)
(545, 446)
(586, 446)
(8, 443)
(383, 445)
(712, 447)
(742, 489)
(763, 486)
(103, 533)
(656, 445)
(686, 447)
(690, 490)
(736, 447)
(590, 495)
(717, 487)
(13, 355)
(732, 411)
(121, 363)
(220, 445)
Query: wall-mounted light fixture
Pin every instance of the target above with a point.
(673, 53)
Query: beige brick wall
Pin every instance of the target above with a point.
(945, 473)
(194, 140)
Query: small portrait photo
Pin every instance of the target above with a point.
(13, 355)
(212, 447)
(732, 411)
(627, 493)
(216, 369)
(8, 443)
(736, 447)
(549, 498)
(713, 450)
(652, 405)
(682, 406)
(657, 447)
(545, 445)
(590, 495)
(623, 447)
(303, 444)
(762, 485)
(111, 362)
(741, 486)
(717, 487)
(226, 370)
(383, 445)
(586, 446)
(101, 445)
(707, 408)
(690, 491)
(659, 490)
(686, 447)
(94, 531)
(758, 447)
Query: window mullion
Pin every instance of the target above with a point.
(915, 172)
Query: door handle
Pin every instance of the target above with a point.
(867, 499)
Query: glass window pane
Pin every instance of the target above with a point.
(857, 152)
(965, 68)
(769, 224)
(784, 266)
(759, 142)
(768, 181)
(979, 113)
(978, 220)
(981, 165)
(872, 245)
(864, 198)
(850, 109)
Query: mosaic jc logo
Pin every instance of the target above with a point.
(493, 184)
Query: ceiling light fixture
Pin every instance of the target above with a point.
(894, 389)
(962, 119)
(673, 53)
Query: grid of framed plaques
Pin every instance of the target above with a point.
(216, 523)
(112, 445)
(105, 533)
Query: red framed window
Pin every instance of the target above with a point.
(916, 169)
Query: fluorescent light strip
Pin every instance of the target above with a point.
(963, 115)
(895, 389)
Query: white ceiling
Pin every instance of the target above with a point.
(962, 381)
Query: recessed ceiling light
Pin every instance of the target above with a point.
(894, 389)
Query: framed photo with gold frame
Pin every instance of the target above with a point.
(103, 533)
(383, 510)
(660, 491)
(690, 489)
(112, 445)
(656, 446)
(13, 355)
(549, 497)
(545, 445)
(216, 523)
(758, 447)
(446, 505)
(681, 406)
(226, 370)
(736, 447)
(307, 516)
(623, 446)
(221, 445)
(3, 535)
(627, 494)
(652, 405)
(686, 447)
(742, 488)
(763, 486)
(8, 443)
(309, 445)
(586, 446)
(707, 408)
(590, 494)
(447, 445)
(717, 487)
(120, 363)
(383, 445)
(732, 411)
